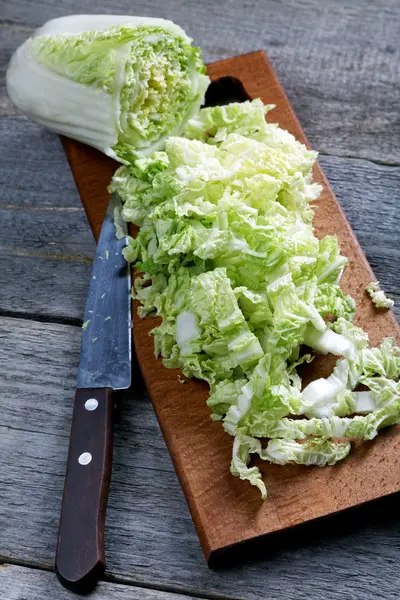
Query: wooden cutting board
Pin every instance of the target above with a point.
(226, 510)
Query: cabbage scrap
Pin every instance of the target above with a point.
(378, 296)
(231, 263)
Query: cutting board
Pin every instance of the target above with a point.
(226, 510)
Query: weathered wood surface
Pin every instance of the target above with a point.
(339, 61)
(22, 583)
(46, 246)
(339, 64)
(150, 536)
(47, 243)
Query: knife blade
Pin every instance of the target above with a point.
(105, 366)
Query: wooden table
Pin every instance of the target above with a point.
(339, 63)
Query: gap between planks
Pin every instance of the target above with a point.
(373, 161)
(40, 318)
(120, 581)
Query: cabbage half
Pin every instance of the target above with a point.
(231, 263)
(121, 84)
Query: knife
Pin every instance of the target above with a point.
(105, 366)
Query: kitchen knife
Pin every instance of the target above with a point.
(105, 366)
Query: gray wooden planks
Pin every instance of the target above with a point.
(52, 351)
(339, 62)
(34, 172)
(38, 176)
(370, 197)
(150, 538)
(46, 246)
(11, 36)
(22, 583)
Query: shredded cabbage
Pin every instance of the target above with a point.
(378, 296)
(232, 265)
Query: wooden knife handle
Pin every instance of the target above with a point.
(80, 559)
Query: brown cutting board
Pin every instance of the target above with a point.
(226, 510)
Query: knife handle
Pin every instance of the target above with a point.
(80, 559)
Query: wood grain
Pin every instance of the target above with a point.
(80, 556)
(45, 241)
(370, 197)
(22, 583)
(338, 62)
(150, 537)
(226, 511)
(11, 36)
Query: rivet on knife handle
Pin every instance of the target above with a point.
(80, 559)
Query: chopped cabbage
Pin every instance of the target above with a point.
(232, 265)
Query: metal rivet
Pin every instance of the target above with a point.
(91, 404)
(85, 458)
